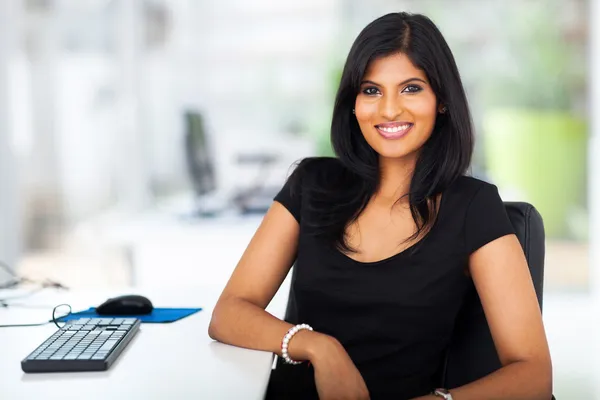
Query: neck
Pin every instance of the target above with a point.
(396, 175)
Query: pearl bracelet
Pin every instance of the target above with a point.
(286, 341)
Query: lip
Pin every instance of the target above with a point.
(394, 135)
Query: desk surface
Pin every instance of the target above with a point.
(176, 360)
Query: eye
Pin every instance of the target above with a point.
(370, 91)
(412, 89)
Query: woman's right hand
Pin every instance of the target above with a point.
(336, 376)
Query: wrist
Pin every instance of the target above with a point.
(321, 346)
(309, 345)
(324, 347)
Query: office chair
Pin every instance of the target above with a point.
(472, 354)
(198, 155)
(201, 167)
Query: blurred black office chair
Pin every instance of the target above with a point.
(199, 152)
(472, 354)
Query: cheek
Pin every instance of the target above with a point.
(365, 110)
(424, 109)
(366, 114)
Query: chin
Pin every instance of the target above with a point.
(399, 149)
(395, 156)
(394, 152)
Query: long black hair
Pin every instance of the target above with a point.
(337, 202)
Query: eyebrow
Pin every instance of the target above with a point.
(400, 84)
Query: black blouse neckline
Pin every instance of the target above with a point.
(403, 252)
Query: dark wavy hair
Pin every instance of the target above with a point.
(336, 203)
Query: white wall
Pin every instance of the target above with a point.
(10, 219)
(594, 147)
(251, 74)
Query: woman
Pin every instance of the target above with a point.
(385, 239)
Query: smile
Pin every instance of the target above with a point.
(394, 130)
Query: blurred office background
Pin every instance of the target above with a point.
(141, 140)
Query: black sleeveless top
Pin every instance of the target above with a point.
(394, 317)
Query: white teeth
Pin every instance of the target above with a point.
(395, 129)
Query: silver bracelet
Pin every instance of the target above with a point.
(286, 341)
(442, 393)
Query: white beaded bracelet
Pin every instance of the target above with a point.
(286, 341)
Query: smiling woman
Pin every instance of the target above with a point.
(386, 240)
(396, 102)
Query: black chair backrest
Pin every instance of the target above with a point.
(472, 354)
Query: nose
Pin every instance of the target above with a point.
(390, 107)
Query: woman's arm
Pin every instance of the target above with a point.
(503, 281)
(239, 317)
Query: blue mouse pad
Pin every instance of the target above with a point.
(158, 315)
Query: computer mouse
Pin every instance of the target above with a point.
(125, 305)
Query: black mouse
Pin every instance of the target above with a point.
(125, 305)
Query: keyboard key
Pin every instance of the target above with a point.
(108, 345)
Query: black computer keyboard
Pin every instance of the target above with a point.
(85, 344)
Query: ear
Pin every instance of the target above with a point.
(442, 109)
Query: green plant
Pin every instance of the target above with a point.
(534, 131)
(541, 66)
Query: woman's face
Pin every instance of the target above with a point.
(396, 107)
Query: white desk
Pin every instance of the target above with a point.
(176, 360)
(167, 251)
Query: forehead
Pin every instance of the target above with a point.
(395, 67)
